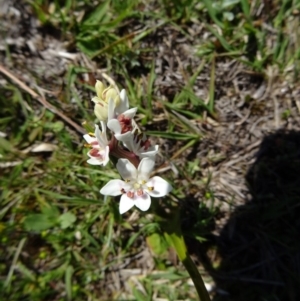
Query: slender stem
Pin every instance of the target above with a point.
(118, 152)
(170, 224)
(177, 241)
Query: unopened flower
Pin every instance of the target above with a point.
(104, 94)
(137, 187)
(99, 153)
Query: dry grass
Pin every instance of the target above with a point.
(219, 96)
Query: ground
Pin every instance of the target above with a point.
(216, 86)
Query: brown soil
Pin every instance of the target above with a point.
(249, 150)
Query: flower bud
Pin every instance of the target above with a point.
(100, 109)
(112, 93)
(99, 87)
(101, 100)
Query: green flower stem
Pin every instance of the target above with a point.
(178, 243)
(170, 224)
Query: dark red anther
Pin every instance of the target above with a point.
(125, 123)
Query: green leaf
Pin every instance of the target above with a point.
(39, 222)
(5, 145)
(42, 221)
(172, 135)
(99, 14)
(228, 3)
(27, 273)
(68, 281)
(213, 12)
(42, 16)
(55, 126)
(50, 211)
(75, 200)
(220, 38)
(139, 295)
(171, 275)
(66, 220)
(157, 243)
(246, 8)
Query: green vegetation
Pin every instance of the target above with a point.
(59, 238)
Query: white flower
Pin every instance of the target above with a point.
(120, 123)
(137, 187)
(99, 154)
(141, 146)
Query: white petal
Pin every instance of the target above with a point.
(145, 168)
(124, 137)
(126, 169)
(143, 202)
(111, 109)
(161, 187)
(97, 132)
(101, 136)
(124, 104)
(130, 113)
(103, 126)
(94, 161)
(152, 151)
(106, 156)
(115, 126)
(130, 143)
(89, 139)
(126, 203)
(113, 188)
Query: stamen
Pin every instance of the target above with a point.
(125, 122)
(92, 134)
(150, 188)
(123, 191)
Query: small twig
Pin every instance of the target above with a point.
(42, 100)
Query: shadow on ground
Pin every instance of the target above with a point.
(260, 244)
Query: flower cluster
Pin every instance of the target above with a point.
(136, 156)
